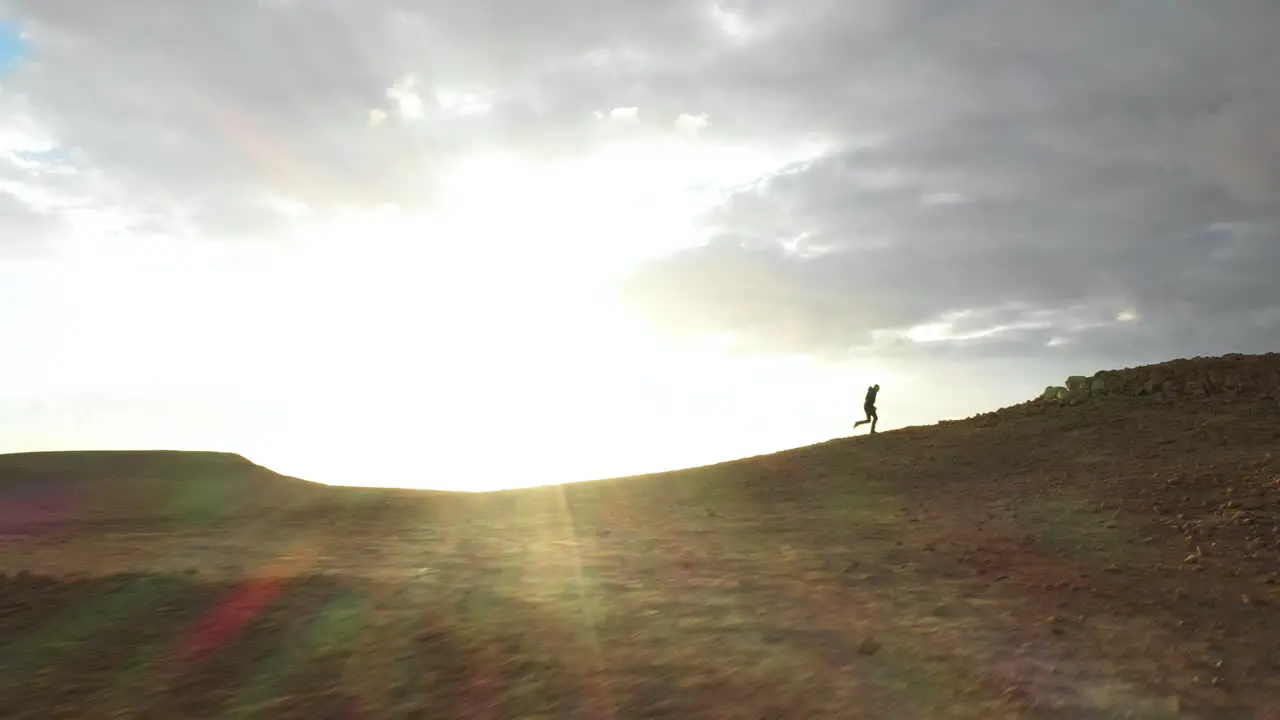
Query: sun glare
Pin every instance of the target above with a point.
(474, 342)
(482, 346)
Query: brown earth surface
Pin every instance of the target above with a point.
(1114, 555)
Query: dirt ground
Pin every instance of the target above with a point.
(1115, 559)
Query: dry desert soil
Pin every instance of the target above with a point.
(1111, 553)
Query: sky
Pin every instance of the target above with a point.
(495, 243)
(12, 45)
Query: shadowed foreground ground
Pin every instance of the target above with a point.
(1119, 558)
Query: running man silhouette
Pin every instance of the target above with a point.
(869, 405)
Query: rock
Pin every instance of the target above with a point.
(1015, 693)
(1216, 378)
(869, 646)
(1153, 384)
(1223, 379)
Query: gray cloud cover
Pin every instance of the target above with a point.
(1075, 161)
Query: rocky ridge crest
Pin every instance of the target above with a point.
(1228, 377)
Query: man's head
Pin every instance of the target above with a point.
(876, 387)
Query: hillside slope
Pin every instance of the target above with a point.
(1110, 551)
(43, 489)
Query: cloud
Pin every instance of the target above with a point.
(987, 153)
(462, 103)
(215, 110)
(692, 123)
(25, 231)
(1044, 169)
(731, 22)
(405, 95)
(1238, 145)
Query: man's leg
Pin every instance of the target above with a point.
(874, 419)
